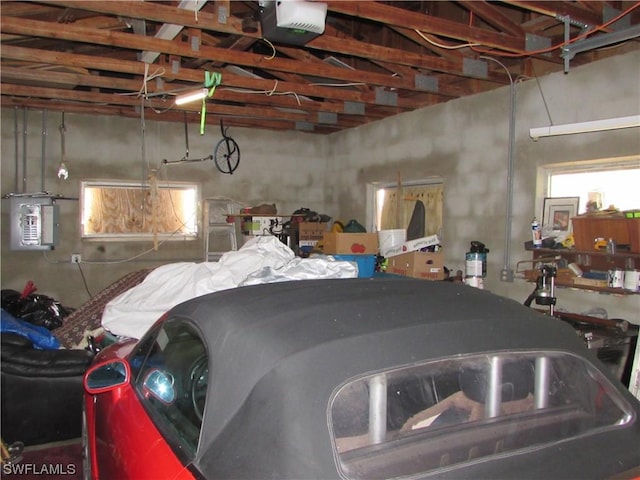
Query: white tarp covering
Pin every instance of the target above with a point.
(261, 260)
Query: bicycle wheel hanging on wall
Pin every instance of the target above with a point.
(226, 154)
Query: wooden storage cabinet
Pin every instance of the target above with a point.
(624, 231)
(589, 260)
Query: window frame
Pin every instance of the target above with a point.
(545, 172)
(371, 214)
(193, 220)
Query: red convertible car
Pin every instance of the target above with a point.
(356, 379)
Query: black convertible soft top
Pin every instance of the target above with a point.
(278, 351)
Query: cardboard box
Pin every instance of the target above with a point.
(310, 233)
(410, 246)
(424, 265)
(350, 243)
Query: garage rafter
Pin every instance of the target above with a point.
(375, 59)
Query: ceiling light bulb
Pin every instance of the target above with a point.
(191, 96)
(63, 173)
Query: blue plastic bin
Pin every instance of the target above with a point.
(366, 263)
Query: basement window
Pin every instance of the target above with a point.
(605, 183)
(137, 211)
(416, 203)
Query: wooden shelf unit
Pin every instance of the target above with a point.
(590, 260)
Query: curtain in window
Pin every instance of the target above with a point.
(398, 214)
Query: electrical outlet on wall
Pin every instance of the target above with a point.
(506, 275)
(76, 258)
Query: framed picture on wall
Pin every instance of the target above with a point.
(557, 213)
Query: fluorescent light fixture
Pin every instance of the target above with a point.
(192, 96)
(585, 127)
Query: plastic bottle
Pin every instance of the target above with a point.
(536, 233)
(611, 246)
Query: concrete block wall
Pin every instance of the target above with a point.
(285, 168)
(463, 142)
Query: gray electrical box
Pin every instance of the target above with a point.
(34, 223)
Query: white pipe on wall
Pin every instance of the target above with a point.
(43, 153)
(25, 112)
(16, 136)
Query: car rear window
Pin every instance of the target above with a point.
(170, 376)
(447, 413)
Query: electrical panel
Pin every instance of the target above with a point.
(34, 223)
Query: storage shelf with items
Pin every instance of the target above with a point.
(605, 243)
(584, 269)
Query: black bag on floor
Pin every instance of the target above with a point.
(34, 308)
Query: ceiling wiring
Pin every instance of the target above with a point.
(274, 92)
(484, 57)
(268, 93)
(273, 48)
(560, 45)
(159, 72)
(447, 47)
(256, 57)
(161, 111)
(349, 84)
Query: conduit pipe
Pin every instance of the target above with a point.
(43, 154)
(24, 150)
(506, 274)
(16, 137)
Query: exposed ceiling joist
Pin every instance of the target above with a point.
(374, 59)
(169, 31)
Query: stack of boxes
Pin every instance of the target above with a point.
(361, 248)
(406, 259)
(409, 260)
